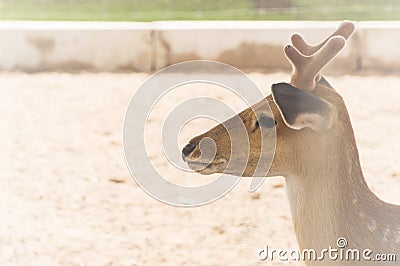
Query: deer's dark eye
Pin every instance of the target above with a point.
(266, 122)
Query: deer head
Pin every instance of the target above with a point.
(308, 116)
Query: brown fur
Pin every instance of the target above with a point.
(328, 195)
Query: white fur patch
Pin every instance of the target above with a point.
(386, 234)
(371, 224)
(311, 120)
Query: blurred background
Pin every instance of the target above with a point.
(68, 69)
(139, 10)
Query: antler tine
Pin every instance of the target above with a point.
(345, 29)
(306, 68)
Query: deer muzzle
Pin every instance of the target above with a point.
(201, 156)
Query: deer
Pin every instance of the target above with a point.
(316, 153)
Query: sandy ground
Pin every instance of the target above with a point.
(67, 197)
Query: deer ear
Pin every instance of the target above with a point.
(301, 109)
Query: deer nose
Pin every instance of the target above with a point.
(188, 149)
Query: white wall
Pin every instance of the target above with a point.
(42, 46)
(114, 46)
(380, 45)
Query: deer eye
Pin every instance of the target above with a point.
(266, 122)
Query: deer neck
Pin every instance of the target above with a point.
(329, 198)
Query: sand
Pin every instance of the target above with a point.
(67, 197)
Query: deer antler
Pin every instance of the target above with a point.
(308, 60)
(345, 29)
(306, 68)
